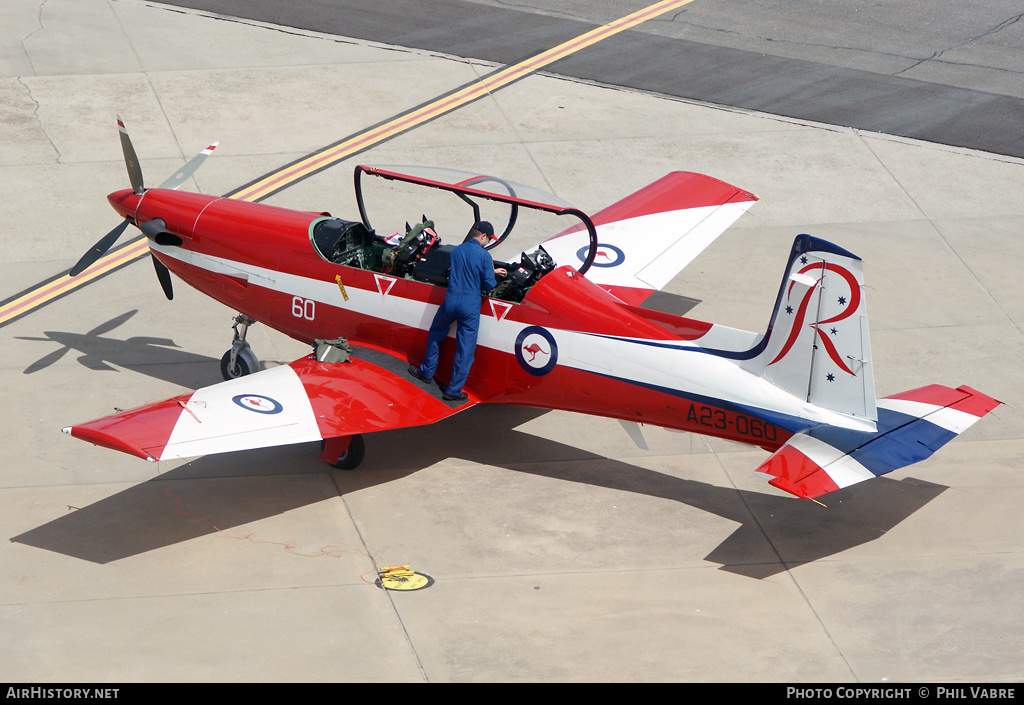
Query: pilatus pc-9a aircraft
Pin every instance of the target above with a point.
(563, 330)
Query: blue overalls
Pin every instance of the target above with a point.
(472, 271)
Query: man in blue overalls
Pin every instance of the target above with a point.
(472, 272)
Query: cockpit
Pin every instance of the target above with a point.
(421, 249)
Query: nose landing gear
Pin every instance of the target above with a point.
(240, 360)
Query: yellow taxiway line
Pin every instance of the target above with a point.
(42, 294)
(24, 303)
(447, 103)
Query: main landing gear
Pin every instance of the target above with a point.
(240, 360)
(344, 452)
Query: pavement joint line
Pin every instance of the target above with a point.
(446, 103)
(29, 300)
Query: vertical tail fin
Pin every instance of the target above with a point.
(817, 346)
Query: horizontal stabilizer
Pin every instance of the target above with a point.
(911, 426)
(648, 237)
(304, 401)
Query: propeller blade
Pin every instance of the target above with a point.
(164, 275)
(99, 249)
(111, 324)
(190, 167)
(46, 360)
(130, 159)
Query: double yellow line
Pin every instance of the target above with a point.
(52, 289)
(272, 183)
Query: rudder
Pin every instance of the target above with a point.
(817, 345)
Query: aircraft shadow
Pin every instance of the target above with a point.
(154, 357)
(225, 491)
(774, 533)
(190, 501)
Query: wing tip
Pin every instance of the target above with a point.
(978, 403)
(107, 440)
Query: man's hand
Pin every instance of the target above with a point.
(500, 272)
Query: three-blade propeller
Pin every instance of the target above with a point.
(153, 229)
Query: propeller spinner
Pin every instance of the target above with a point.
(155, 229)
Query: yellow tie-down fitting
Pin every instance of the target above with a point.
(402, 577)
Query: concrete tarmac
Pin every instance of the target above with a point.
(950, 73)
(559, 550)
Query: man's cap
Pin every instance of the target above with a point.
(486, 228)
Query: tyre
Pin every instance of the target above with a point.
(350, 459)
(240, 369)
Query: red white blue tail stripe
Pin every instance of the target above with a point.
(911, 426)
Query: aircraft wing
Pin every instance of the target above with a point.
(647, 238)
(296, 403)
(910, 427)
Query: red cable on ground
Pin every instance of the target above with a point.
(334, 550)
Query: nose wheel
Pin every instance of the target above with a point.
(240, 360)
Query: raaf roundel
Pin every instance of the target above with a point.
(564, 330)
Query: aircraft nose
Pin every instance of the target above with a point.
(125, 202)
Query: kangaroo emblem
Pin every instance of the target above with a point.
(533, 349)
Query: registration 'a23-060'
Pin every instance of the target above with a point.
(722, 420)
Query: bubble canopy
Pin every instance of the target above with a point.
(471, 187)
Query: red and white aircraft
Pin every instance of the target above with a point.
(564, 330)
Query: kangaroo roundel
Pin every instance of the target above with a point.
(607, 255)
(536, 350)
(258, 403)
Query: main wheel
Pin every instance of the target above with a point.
(240, 369)
(350, 459)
